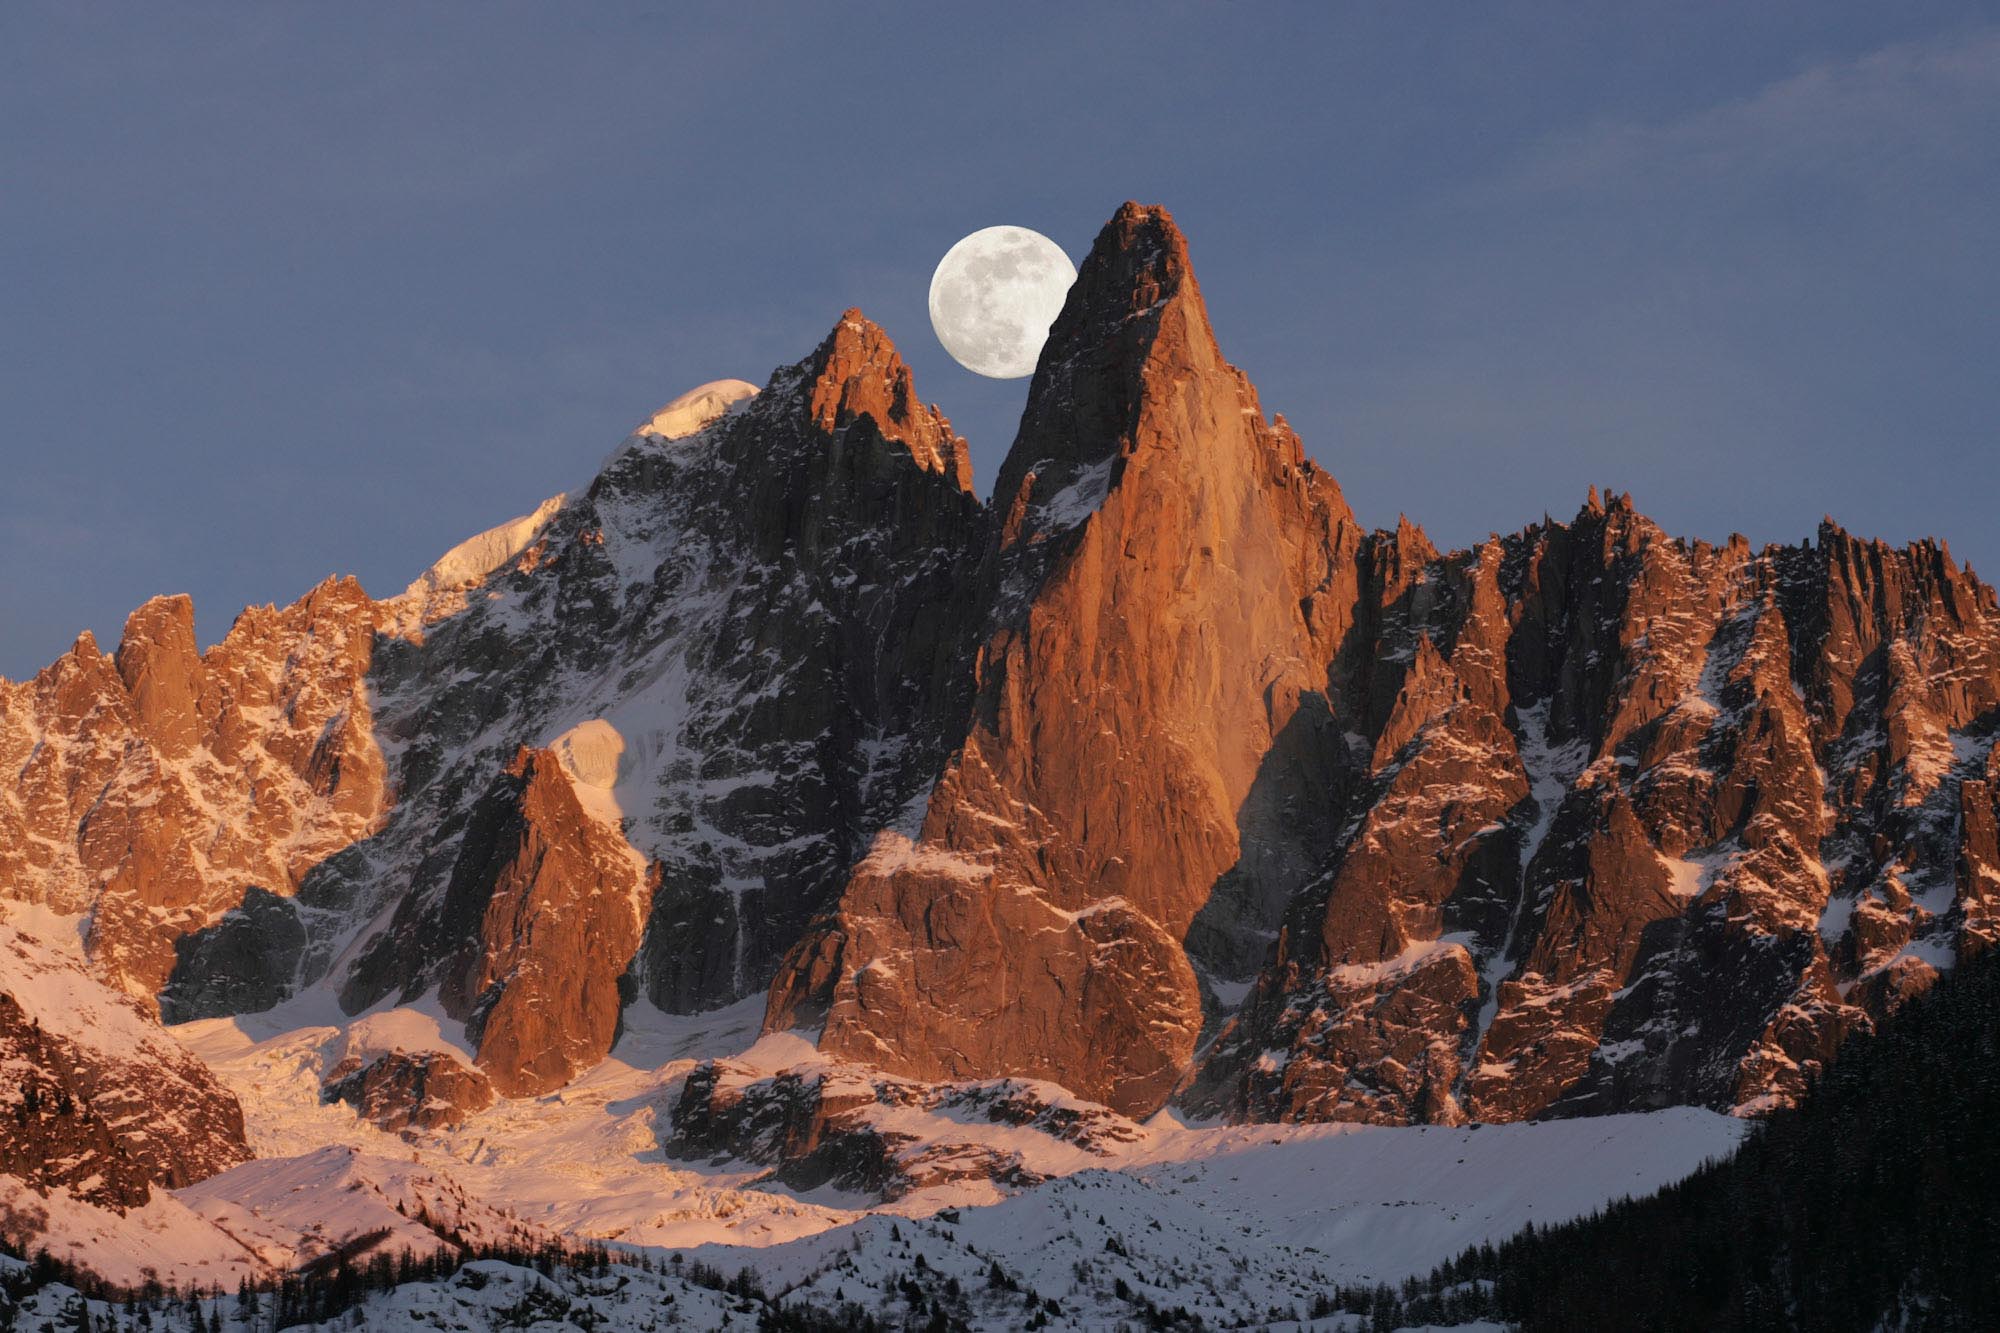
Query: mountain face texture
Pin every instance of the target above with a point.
(1157, 777)
(641, 759)
(1650, 822)
(148, 790)
(96, 1099)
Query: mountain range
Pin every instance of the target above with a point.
(1153, 788)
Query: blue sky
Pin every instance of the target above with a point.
(295, 290)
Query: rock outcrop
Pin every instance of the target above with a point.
(409, 1090)
(153, 790)
(55, 1137)
(882, 1136)
(542, 917)
(97, 1099)
(729, 657)
(1582, 819)
(1691, 817)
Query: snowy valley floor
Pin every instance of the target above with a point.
(1222, 1221)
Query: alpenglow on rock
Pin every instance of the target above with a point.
(1158, 593)
(1157, 778)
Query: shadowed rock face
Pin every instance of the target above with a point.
(1157, 777)
(244, 963)
(837, 663)
(758, 627)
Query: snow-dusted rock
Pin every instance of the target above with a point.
(95, 1099)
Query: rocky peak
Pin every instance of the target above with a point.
(541, 919)
(1167, 553)
(1401, 556)
(1697, 829)
(152, 791)
(759, 602)
(80, 683)
(161, 667)
(1133, 314)
(856, 371)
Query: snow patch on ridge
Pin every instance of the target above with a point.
(593, 755)
(411, 1029)
(593, 752)
(696, 408)
(440, 590)
(1413, 958)
(71, 1004)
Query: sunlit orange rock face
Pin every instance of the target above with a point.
(1170, 580)
(1157, 777)
(1689, 816)
(1587, 818)
(152, 789)
(545, 905)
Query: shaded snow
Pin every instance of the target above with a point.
(1411, 959)
(1551, 771)
(1077, 501)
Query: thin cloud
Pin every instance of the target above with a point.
(1913, 110)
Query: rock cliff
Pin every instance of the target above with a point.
(1680, 819)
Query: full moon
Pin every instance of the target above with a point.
(994, 296)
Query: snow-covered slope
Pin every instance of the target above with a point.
(1214, 1218)
(288, 1212)
(445, 587)
(97, 1102)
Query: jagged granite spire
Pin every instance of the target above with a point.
(1160, 618)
